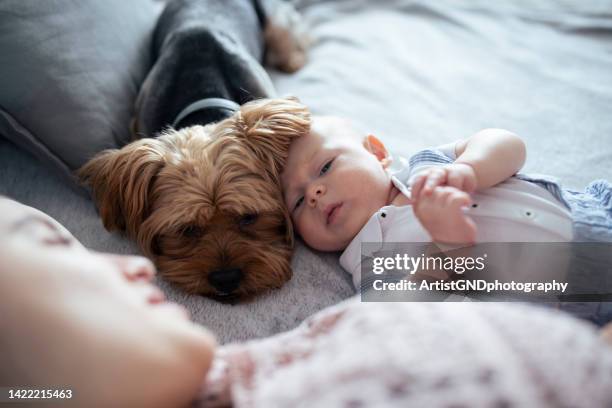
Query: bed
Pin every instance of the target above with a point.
(415, 73)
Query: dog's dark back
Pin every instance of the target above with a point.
(203, 49)
(240, 20)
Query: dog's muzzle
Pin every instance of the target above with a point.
(225, 281)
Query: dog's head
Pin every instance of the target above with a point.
(205, 202)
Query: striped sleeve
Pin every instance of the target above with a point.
(427, 158)
(548, 183)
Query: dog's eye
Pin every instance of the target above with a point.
(192, 231)
(247, 219)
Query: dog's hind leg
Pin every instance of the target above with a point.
(285, 35)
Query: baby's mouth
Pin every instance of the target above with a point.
(332, 212)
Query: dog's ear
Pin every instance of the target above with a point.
(120, 181)
(269, 126)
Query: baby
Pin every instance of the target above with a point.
(341, 191)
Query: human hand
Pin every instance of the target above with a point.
(441, 214)
(459, 175)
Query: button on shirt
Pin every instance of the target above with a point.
(524, 208)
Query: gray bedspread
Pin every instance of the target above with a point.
(416, 73)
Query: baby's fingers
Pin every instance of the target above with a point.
(470, 231)
(416, 186)
(459, 199)
(436, 177)
(456, 179)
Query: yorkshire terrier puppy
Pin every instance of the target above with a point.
(204, 202)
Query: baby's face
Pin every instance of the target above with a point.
(332, 185)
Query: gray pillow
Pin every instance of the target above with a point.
(70, 73)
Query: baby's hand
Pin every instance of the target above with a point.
(441, 214)
(458, 175)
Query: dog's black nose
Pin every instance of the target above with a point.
(225, 280)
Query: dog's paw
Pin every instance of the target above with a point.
(286, 37)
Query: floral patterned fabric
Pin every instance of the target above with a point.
(418, 354)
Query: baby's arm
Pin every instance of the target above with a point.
(483, 160)
(438, 193)
(494, 154)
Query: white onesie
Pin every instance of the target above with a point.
(515, 210)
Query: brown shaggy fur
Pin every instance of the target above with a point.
(206, 198)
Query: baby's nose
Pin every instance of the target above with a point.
(316, 193)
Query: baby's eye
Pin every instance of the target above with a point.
(298, 203)
(326, 167)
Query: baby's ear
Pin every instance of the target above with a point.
(375, 146)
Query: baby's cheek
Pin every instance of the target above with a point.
(304, 230)
(310, 233)
(299, 226)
